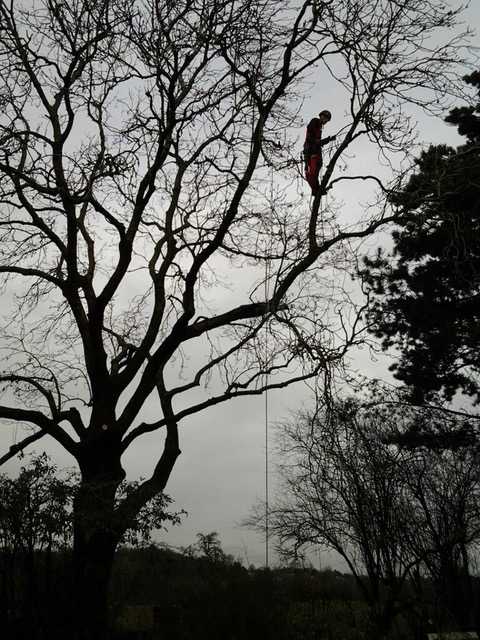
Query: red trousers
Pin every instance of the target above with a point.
(312, 170)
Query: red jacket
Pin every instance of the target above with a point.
(313, 139)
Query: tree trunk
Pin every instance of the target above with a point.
(31, 600)
(98, 528)
(93, 561)
(94, 544)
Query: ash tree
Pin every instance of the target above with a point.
(136, 144)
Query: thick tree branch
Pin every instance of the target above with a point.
(47, 425)
(19, 447)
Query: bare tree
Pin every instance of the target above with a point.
(445, 493)
(135, 145)
(342, 489)
(400, 518)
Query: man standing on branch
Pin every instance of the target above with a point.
(312, 149)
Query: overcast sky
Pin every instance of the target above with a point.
(221, 471)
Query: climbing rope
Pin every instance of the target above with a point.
(266, 379)
(266, 356)
(267, 275)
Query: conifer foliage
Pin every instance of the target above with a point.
(427, 291)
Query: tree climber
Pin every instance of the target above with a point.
(312, 149)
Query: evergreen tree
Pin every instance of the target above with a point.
(427, 291)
